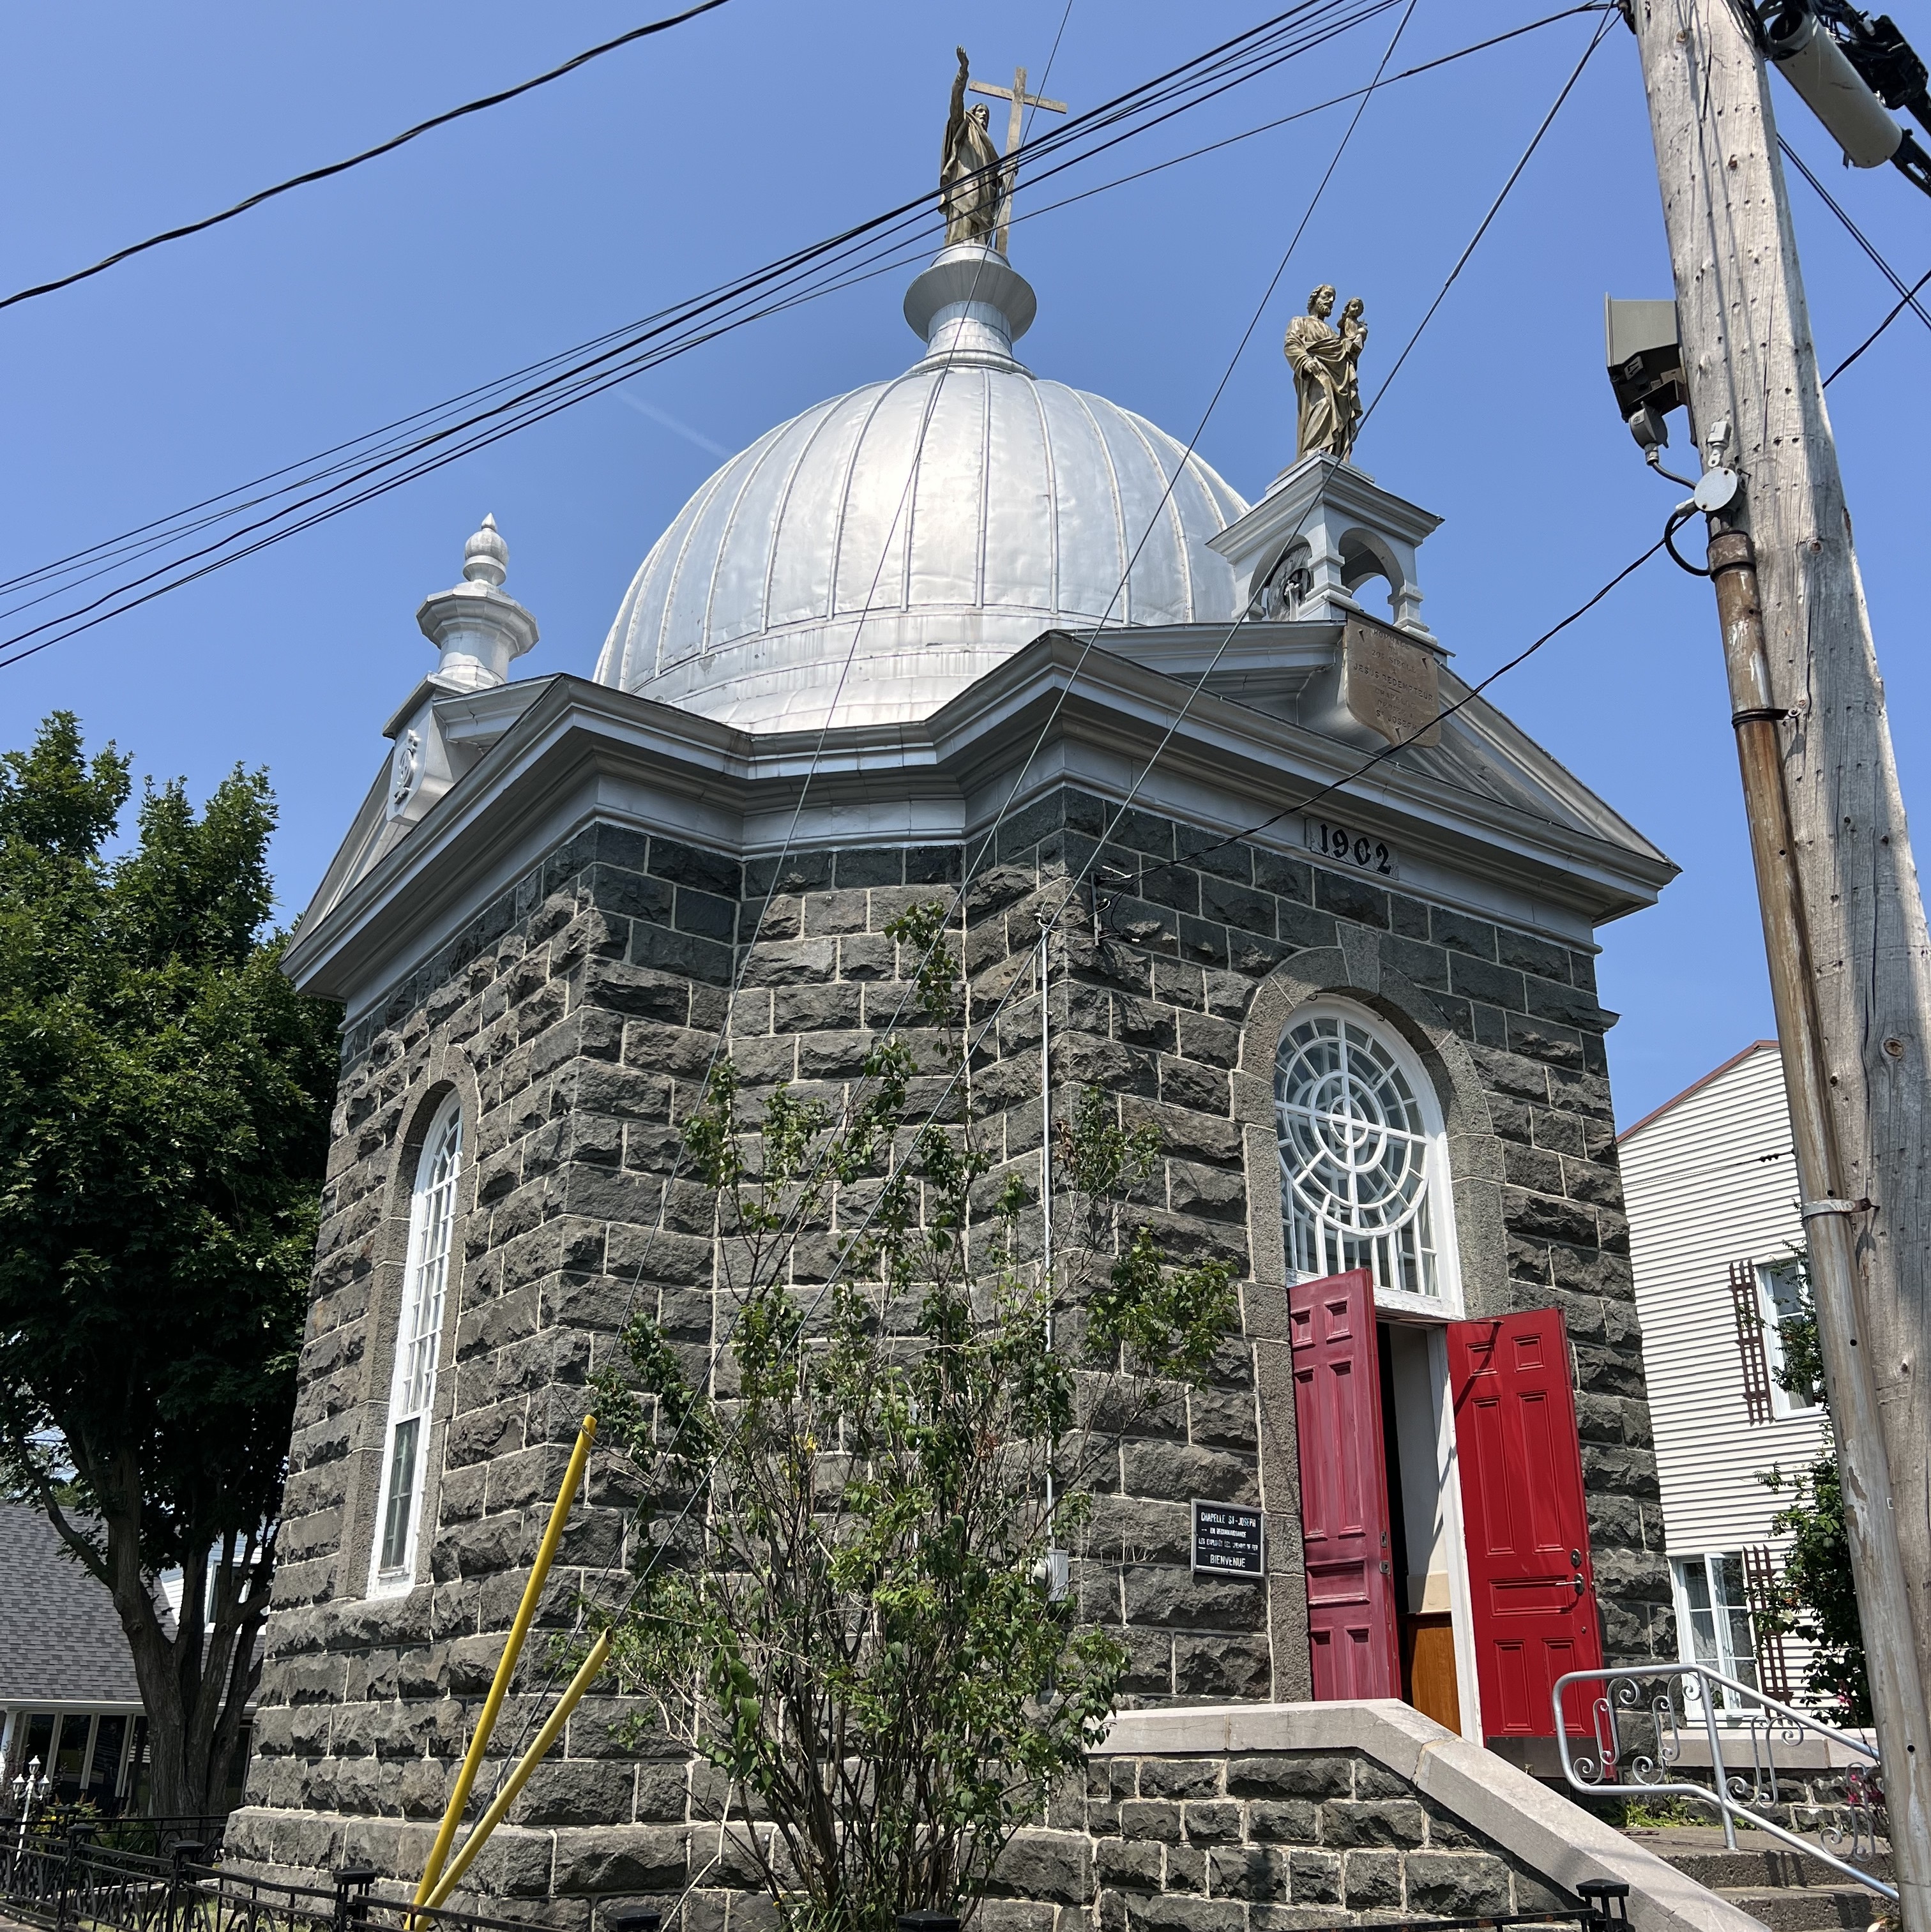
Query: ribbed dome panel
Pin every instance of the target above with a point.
(877, 554)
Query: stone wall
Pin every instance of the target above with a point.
(1263, 1842)
(1178, 966)
(576, 1015)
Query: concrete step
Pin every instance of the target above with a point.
(1806, 1908)
(1758, 1862)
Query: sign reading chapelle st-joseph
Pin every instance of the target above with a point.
(1382, 1093)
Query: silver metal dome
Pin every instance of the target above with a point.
(871, 558)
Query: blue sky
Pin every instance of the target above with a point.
(691, 156)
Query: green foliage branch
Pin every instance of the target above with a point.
(852, 1597)
(165, 1095)
(1813, 1598)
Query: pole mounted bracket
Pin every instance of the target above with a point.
(1812, 1211)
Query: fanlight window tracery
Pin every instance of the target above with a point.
(1358, 1160)
(418, 1338)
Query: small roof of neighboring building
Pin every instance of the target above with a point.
(61, 1640)
(1697, 1086)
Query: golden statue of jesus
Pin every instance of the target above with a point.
(972, 183)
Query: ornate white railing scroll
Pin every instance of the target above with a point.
(1640, 1716)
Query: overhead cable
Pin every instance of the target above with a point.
(206, 510)
(1889, 318)
(1441, 717)
(1856, 233)
(1495, 208)
(381, 147)
(619, 355)
(987, 841)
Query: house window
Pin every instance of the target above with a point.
(1714, 1622)
(432, 1216)
(1362, 1168)
(1780, 1296)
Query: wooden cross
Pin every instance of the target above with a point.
(1015, 130)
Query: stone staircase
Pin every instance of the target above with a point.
(1781, 1887)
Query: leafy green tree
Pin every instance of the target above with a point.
(1813, 1598)
(164, 1096)
(856, 1597)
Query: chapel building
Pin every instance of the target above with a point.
(938, 639)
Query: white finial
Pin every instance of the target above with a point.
(478, 626)
(486, 556)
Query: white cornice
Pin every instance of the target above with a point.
(574, 750)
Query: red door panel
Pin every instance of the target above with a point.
(1531, 1590)
(1352, 1636)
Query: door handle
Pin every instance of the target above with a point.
(1580, 1586)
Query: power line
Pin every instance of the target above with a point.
(1495, 208)
(988, 841)
(1856, 233)
(1441, 717)
(1889, 318)
(1321, 106)
(1256, 51)
(896, 252)
(381, 147)
(575, 383)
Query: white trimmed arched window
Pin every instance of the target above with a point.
(412, 1389)
(1363, 1164)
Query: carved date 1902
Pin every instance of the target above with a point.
(1352, 847)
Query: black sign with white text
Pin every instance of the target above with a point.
(1227, 1540)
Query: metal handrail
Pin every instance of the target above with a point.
(1733, 1795)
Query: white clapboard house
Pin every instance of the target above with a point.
(1711, 1183)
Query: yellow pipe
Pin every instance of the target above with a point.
(506, 1666)
(573, 1691)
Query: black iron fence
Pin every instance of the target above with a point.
(157, 1837)
(74, 1883)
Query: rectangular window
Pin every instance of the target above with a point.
(417, 1336)
(401, 1513)
(40, 1743)
(1714, 1621)
(70, 1765)
(1780, 1295)
(104, 1779)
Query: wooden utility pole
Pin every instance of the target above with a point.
(1844, 923)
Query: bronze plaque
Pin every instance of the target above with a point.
(1391, 684)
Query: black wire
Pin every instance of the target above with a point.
(1322, 19)
(1535, 140)
(158, 531)
(1891, 318)
(1320, 107)
(1217, 57)
(1102, 116)
(1441, 717)
(387, 147)
(1856, 233)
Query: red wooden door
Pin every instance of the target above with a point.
(1532, 1590)
(1352, 1637)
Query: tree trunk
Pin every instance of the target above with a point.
(195, 1685)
